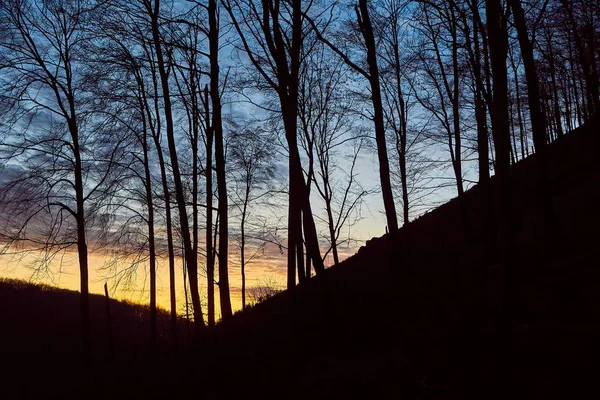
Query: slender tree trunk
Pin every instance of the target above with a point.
(538, 125)
(590, 75)
(185, 290)
(299, 203)
(522, 132)
(480, 107)
(498, 43)
(210, 258)
(111, 343)
(557, 112)
(403, 176)
(457, 162)
(217, 125)
(170, 245)
(83, 282)
(156, 132)
(190, 257)
(364, 22)
(194, 137)
(292, 239)
(299, 199)
(513, 146)
(243, 244)
(332, 238)
(151, 239)
(401, 136)
(300, 253)
(81, 235)
(309, 178)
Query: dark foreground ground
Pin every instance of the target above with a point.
(414, 315)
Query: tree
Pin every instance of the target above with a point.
(498, 45)
(252, 161)
(538, 124)
(276, 32)
(125, 104)
(441, 71)
(65, 164)
(366, 28)
(396, 110)
(267, 287)
(331, 141)
(585, 44)
(371, 74)
(152, 9)
(217, 127)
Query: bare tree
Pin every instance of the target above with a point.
(498, 46)
(267, 287)
(371, 74)
(331, 141)
(272, 36)
(153, 11)
(251, 157)
(441, 66)
(217, 127)
(395, 96)
(65, 162)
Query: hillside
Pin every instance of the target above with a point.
(414, 314)
(40, 342)
(26, 308)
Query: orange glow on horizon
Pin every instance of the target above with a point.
(133, 285)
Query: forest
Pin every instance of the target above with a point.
(202, 132)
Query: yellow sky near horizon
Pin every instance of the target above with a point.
(63, 272)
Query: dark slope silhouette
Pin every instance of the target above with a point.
(26, 308)
(416, 313)
(40, 344)
(413, 315)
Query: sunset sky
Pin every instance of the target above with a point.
(133, 283)
(431, 184)
(64, 272)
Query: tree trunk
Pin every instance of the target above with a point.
(522, 132)
(498, 45)
(589, 74)
(480, 105)
(538, 125)
(243, 245)
(457, 162)
(300, 252)
(557, 112)
(401, 136)
(332, 238)
(299, 206)
(210, 259)
(217, 125)
(364, 22)
(190, 256)
(81, 235)
(109, 328)
(170, 245)
(151, 241)
(167, 199)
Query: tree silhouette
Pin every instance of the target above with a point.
(64, 167)
(275, 52)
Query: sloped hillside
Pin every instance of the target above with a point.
(415, 314)
(45, 318)
(40, 345)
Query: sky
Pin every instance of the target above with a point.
(63, 272)
(268, 269)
